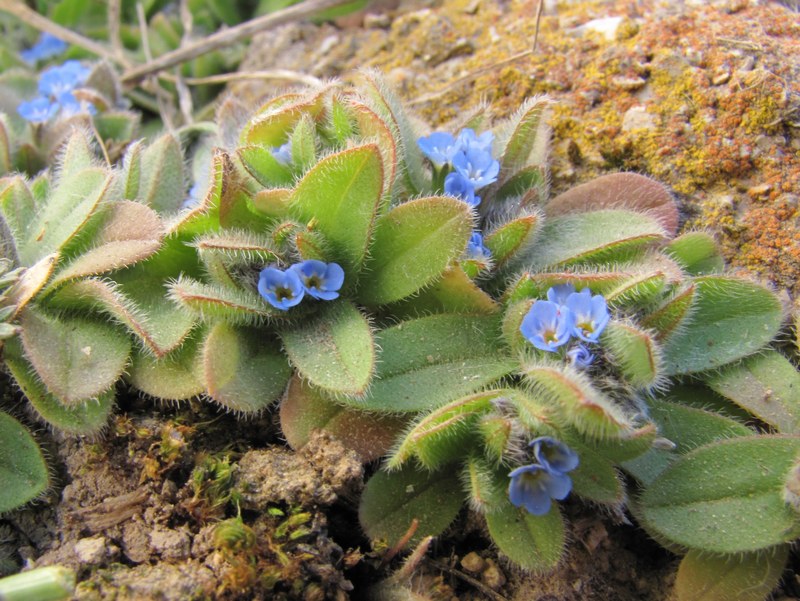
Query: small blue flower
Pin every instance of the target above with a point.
(455, 184)
(38, 110)
(559, 294)
(283, 153)
(534, 486)
(46, 47)
(281, 289)
(547, 325)
(476, 250)
(71, 106)
(477, 165)
(439, 147)
(320, 280)
(61, 79)
(553, 455)
(580, 356)
(590, 314)
(468, 139)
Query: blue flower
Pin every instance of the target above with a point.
(439, 147)
(553, 455)
(455, 184)
(477, 165)
(38, 110)
(559, 294)
(590, 314)
(468, 139)
(320, 280)
(580, 356)
(61, 79)
(476, 250)
(281, 289)
(534, 486)
(47, 46)
(547, 325)
(283, 153)
(71, 106)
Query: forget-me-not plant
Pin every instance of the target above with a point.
(535, 486)
(47, 46)
(281, 289)
(321, 280)
(547, 325)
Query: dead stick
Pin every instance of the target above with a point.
(34, 19)
(225, 37)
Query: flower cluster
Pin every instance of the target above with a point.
(46, 47)
(466, 159)
(285, 289)
(566, 313)
(534, 486)
(56, 87)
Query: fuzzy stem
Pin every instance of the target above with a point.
(51, 583)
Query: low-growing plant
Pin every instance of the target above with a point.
(423, 298)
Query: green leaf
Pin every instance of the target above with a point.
(699, 501)
(535, 543)
(162, 185)
(117, 127)
(334, 350)
(242, 371)
(526, 144)
(220, 251)
(729, 319)
(629, 191)
(80, 419)
(18, 208)
(595, 478)
(670, 315)
(426, 362)
(391, 501)
(685, 427)
(131, 232)
(342, 194)
(454, 292)
(636, 352)
(596, 237)
(76, 155)
(68, 209)
(372, 128)
(76, 359)
(174, 377)
(697, 253)
(511, 237)
(441, 436)
(386, 104)
(305, 409)
(208, 301)
(576, 401)
(413, 245)
(142, 307)
(740, 577)
(272, 124)
(485, 483)
(767, 385)
(304, 144)
(23, 470)
(264, 167)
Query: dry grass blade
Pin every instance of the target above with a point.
(225, 37)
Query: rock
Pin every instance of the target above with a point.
(91, 551)
(472, 562)
(637, 117)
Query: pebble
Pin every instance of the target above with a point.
(91, 551)
(492, 576)
(472, 562)
(637, 117)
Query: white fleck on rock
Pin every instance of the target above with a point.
(637, 117)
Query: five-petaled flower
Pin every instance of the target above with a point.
(590, 314)
(38, 110)
(477, 166)
(456, 184)
(281, 289)
(534, 486)
(553, 454)
(439, 147)
(46, 47)
(320, 280)
(547, 325)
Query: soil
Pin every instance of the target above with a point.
(704, 96)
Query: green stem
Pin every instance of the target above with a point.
(51, 583)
